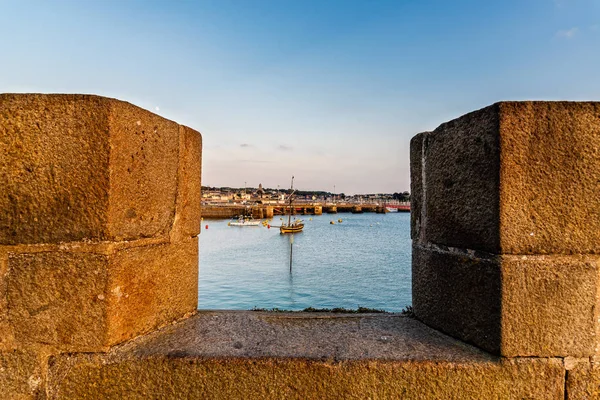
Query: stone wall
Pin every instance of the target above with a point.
(99, 217)
(505, 228)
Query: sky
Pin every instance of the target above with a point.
(328, 91)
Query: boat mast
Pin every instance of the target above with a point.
(291, 209)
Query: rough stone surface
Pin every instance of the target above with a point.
(187, 215)
(549, 306)
(20, 375)
(459, 294)
(462, 181)
(53, 299)
(501, 179)
(85, 301)
(82, 167)
(53, 167)
(583, 381)
(144, 161)
(542, 306)
(151, 286)
(416, 185)
(6, 333)
(550, 195)
(301, 356)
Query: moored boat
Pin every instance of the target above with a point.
(291, 226)
(244, 221)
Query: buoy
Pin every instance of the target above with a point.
(228, 224)
(331, 223)
(206, 227)
(269, 226)
(310, 219)
(340, 220)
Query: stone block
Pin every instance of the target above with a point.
(516, 178)
(6, 336)
(301, 356)
(583, 381)
(87, 301)
(461, 174)
(187, 213)
(82, 167)
(542, 306)
(458, 294)
(21, 376)
(198, 378)
(416, 184)
(150, 286)
(549, 306)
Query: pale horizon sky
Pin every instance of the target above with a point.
(328, 91)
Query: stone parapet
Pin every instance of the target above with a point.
(505, 228)
(99, 217)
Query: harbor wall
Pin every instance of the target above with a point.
(268, 211)
(99, 224)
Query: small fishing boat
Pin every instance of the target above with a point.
(244, 221)
(292, 226)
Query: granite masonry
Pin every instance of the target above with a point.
(99, 223)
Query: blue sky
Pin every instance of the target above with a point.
(328, 91)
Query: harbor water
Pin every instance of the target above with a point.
(365, 261)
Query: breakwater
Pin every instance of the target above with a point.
(221, 211)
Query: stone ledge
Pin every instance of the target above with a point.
(226, 354)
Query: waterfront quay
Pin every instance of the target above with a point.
(230, 210)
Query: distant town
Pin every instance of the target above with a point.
(260, 195)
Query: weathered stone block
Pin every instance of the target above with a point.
(187, 214)
(21, 375)
(459, 294)
(541, 306)
(515, 178)
(199, 378)
(81, 167)
(86, 301)
(6, 337)
(416, 185)
(583, 381)
(150, 286)
(549, 305)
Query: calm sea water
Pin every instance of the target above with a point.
(364, 261)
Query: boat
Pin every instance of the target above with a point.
(244, 221)
(292, 226)
(391, 209)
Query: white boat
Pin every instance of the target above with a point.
(391, 209)
(244, 221)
